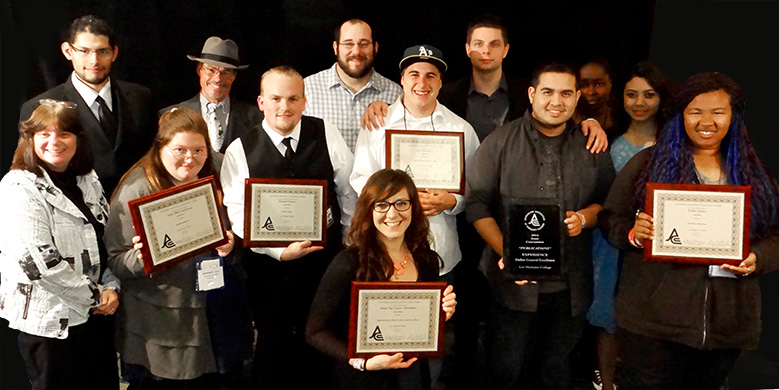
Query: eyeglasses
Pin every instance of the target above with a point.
(400, 205)
(182, 152)
(52, 102)
(212, 71)
(349, 45)
(104, 52)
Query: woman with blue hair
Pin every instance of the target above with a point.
(682, 326)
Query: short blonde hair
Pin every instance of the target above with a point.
(284, 70)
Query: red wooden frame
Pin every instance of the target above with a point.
(248, 243)
(134, 205)
(353, 307)
(746, 190)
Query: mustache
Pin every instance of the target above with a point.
(357, 57)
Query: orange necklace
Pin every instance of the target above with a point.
(401, 266)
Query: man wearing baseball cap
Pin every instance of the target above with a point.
(227, 118)
(422, 67)
(418, 109)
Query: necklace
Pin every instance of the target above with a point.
(401, 266)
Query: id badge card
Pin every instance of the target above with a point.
(716, 272)
(210, 274)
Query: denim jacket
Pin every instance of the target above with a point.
(49, 259)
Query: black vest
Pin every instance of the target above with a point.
(312, 161)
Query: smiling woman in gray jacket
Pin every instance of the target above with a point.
(55, 288)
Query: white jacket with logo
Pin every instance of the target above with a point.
(49, 258)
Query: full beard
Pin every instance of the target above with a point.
(359, 73)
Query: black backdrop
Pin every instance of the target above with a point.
(738, 38)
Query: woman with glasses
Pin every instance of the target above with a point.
(389, 240)
(163, 329)
(55, 287)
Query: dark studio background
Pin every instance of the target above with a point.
(738, 38)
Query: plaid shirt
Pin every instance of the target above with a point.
(328, 98)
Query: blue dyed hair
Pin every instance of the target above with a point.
(672, 157)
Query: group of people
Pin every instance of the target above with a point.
(73, 282)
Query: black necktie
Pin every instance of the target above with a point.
(289, 155)
(106, 118)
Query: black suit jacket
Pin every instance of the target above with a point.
(243, 117)
(454, 96)
(133, 108)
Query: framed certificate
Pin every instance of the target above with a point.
(695, 223)
(392, 317)
(178, 223)
(532, 247)
(433, 159)
(278, 212)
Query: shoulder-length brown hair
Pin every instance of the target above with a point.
(172, 122)
(375, 262)
(62, 116)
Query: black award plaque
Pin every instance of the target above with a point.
(532, 250)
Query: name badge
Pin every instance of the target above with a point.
(210, 275)
(716, 272)
(330, 219)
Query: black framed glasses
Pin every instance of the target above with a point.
(399, 205)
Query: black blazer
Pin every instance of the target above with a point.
(132, 105)
(243, 117)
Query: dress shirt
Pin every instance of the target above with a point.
(235, 170)
(222, 113)
(90, 96)
(328, 98)
(369, 157)
(486, 113)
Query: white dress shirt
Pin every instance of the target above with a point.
(235, 170)
(369, 157)
(222, 114)
(90, 96)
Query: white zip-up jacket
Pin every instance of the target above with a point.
(49, 258)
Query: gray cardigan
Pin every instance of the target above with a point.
(162, 319)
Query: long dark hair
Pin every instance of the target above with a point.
(672, 157)
(649, 72)
(172, 122)
(62, 116)
(375, 262)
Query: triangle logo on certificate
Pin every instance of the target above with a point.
(377, 334)
(268, 225)
(409, 172)
(167, 242)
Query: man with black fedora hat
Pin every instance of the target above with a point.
(227, 118)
